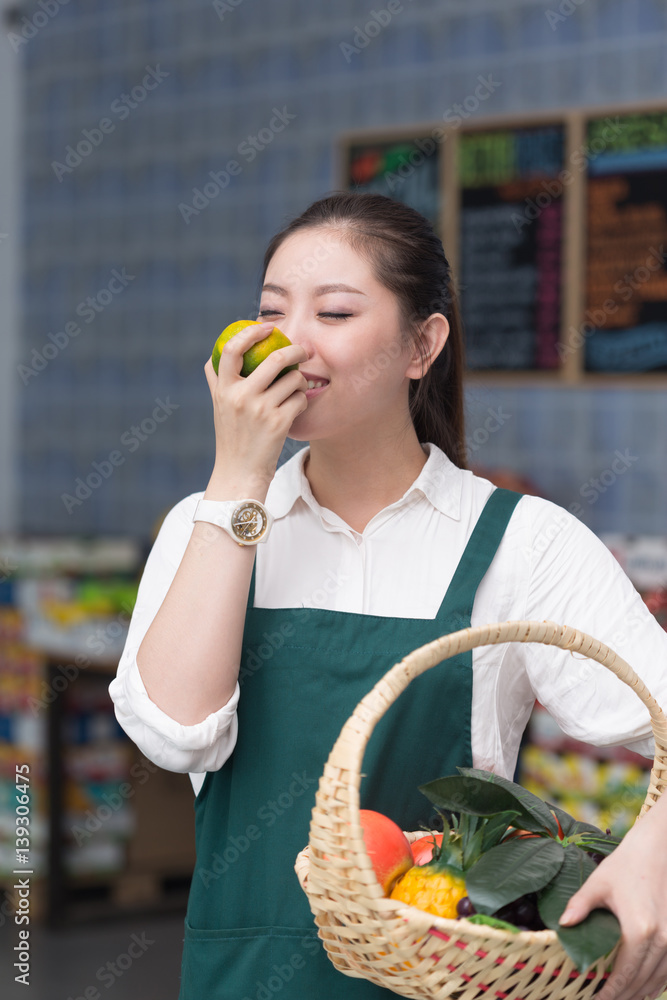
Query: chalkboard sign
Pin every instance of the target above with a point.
(625, 320)
(511, 246)
(407, 170)
(556, 227)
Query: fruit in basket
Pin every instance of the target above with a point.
(521, 860)
(432, 887)
(422, 849)
(255, 354)
(438, 885)
(387, 847)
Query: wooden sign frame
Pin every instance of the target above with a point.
(572, 371)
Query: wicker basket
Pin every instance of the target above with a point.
(408, 951)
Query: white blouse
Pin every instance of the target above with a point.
(548, 566)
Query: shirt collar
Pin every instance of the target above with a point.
(440, 481)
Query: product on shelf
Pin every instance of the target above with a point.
(99, 815)
(65, 607)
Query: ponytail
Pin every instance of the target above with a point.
(436, 399)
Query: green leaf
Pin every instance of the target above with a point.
(468, 825)
(554, 897)
(471, 794)
(496, 827)
(453, 852)
(571, 826)
(502, 925)
(595, 936)
(531, 806)
(512, 869)
(601, 845)
(473, 848)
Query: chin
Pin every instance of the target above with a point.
(295, 436)
(304, 429)
(296, 431)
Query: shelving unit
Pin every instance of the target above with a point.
(110, 832)
(146, 871)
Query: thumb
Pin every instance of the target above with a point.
(578, 907)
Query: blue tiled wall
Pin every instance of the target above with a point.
(119, 210)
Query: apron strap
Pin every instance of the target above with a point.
(477, 557)
(251, 592)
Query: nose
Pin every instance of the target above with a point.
(298, 335)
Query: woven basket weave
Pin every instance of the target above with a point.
(408, 951)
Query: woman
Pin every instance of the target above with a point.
(377, 540)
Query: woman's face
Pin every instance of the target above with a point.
(324, 296)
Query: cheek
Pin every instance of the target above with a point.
(385, 364)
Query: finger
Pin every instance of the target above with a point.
(270, 368)
(656, 980)
(211, 377)
(634, 970)
(285, 387)
(583, 901)
(231, 356)
(657, 984)
(575, 911)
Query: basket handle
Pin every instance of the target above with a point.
(348, 751)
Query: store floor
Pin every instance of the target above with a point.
(137, 958)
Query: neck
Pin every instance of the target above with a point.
(357, 479)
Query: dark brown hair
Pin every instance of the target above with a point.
(408, 258)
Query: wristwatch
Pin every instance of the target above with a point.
(247, 521)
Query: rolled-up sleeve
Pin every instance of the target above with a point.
(206, 745)
(576, 581)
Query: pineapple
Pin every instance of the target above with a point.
(439, 885)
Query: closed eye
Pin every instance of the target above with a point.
(326, 315)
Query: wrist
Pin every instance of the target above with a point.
(247, 521)
(224, 487)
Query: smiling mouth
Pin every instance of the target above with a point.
(315, 390)
(315, 382)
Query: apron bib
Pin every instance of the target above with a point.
(249, 932)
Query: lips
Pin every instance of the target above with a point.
(316, 383)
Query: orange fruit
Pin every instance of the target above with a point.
(255, 354)
(387, 847)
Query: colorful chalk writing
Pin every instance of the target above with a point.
(406, 170)
(511, 247)
(626, 270)
(490, 158)
(630, 132)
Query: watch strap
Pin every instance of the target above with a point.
(246, 520)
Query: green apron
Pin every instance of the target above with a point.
(249, 932)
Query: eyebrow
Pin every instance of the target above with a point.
(320, 290)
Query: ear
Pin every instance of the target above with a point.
(434, 337)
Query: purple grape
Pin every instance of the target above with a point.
(525, 912)
(522, 912)
(464, 907)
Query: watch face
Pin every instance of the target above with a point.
(249, 522)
